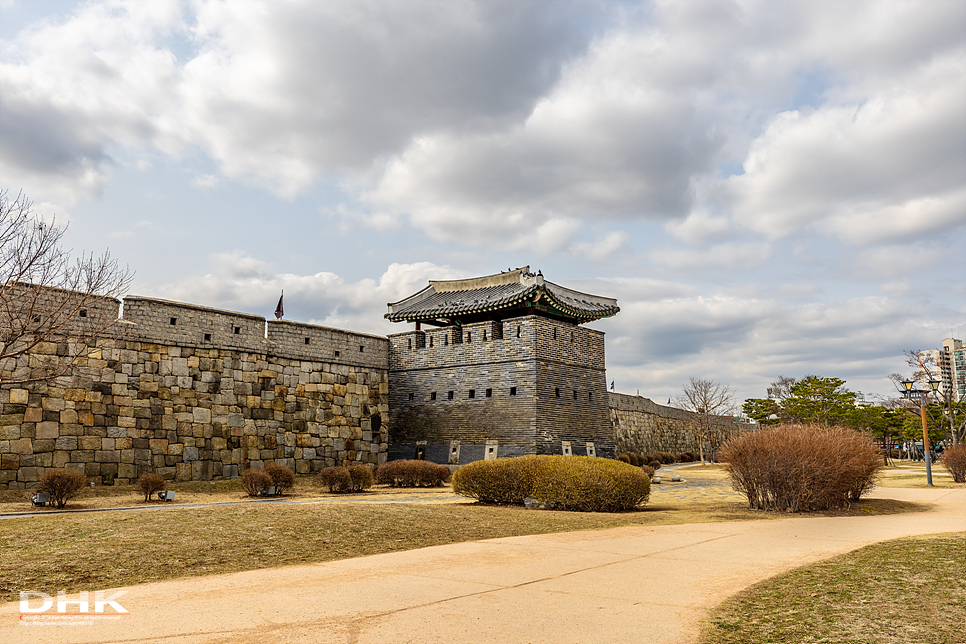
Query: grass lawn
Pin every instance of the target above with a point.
(78, 551)
(907, 591)
(913, 474)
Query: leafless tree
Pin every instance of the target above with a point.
(782, 388)
(52, 306)
(709, 400)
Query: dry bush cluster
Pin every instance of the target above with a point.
(954, 460)
(150, 484)
(581, 483)
(801, 467)
(62, 485)
(412, 473)
(282, 477)
(657, 459)
(354, 478)
(254, 481)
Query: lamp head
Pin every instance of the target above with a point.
(934, 384)
(907, 384)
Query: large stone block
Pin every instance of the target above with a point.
(106, 456)
(48, 429)
(21, 446)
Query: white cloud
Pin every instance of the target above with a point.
(732, 256)
(602, 248)
(698, 226)
(888, 168)
(243, 283)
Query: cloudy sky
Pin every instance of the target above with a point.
(766, 188)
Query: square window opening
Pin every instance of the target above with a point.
(362, 349)
(207, 337)
(237, 330)
(336, 354)
(308, 341)
(174, 321)
(513, 391)
(83, 313)
(489, 393)
(472, 393)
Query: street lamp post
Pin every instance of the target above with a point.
(921, 395)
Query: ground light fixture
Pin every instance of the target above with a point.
(922, 395)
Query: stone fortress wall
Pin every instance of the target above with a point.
(644, 427)
(523, 385)
(195, 393)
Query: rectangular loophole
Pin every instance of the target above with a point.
(362, 349)
(174, 321)
(412, 396)
(513, 391)
(308, 341)
(489, 393)
(336, 354)
(449, 395)
(83, 313)
(237, 330)
(207, 337)
(472, 393)
(432, 395)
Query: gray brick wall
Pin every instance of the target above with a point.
(532, 355)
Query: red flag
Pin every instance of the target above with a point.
(279, 311)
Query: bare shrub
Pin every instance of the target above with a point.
(954, 460)
(801, 467)
(254, 481)
(624, 458)
(282, 477)
(337, 479)
(412, 473)
(648, 470)
(62, 484)
(361, 476)
(151, 483)
(654, 465)
(581, 483)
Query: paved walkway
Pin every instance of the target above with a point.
(619, 585)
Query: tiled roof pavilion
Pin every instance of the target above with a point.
(497, 297)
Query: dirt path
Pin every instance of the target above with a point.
(616, 585)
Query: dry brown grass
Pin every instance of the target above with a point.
(79, 551)
(907, 591)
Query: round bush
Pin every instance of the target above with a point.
(151, 483)
(624, 458)
(412, 473)
(801, 467)
(654, 465)
(954, 460)
(254, 481)
(282, 477)
(361, 477)
(648, 470)
(62, 484)
(581, 483)
(337, 479)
